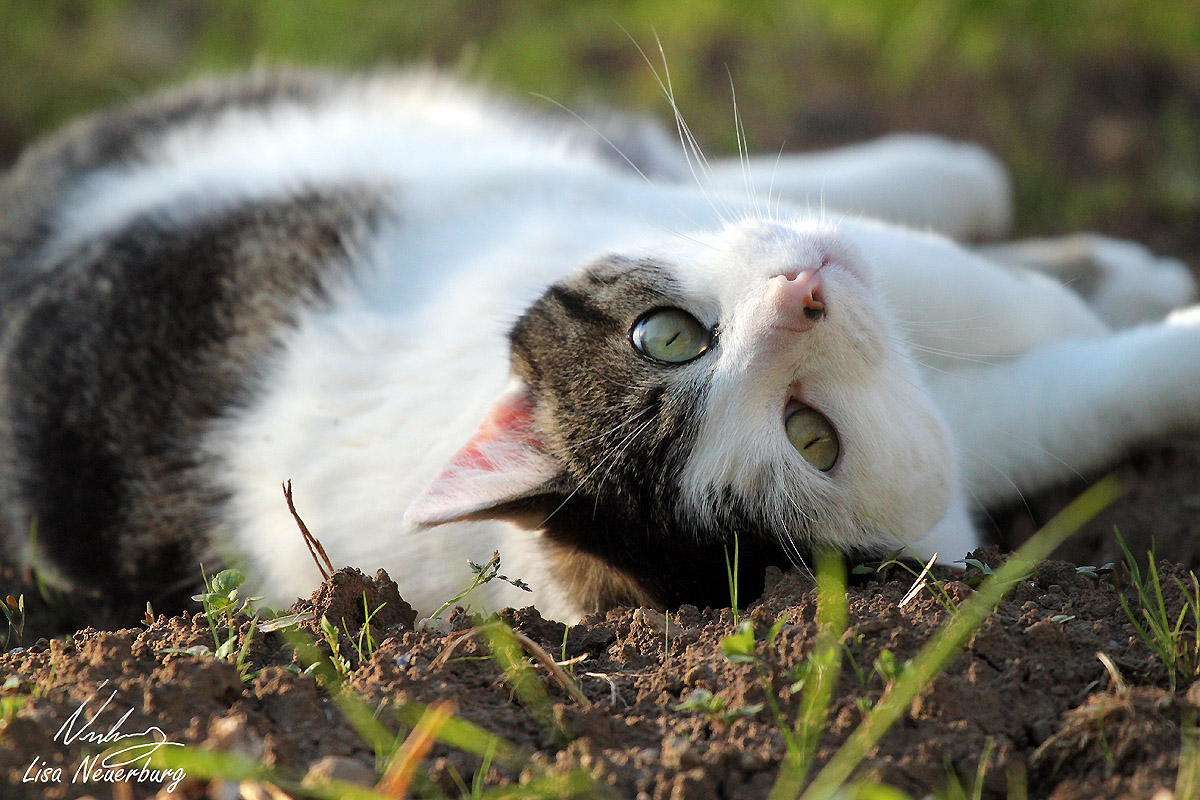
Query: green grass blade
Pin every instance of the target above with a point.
(510, 656)
(950, 638)
(356, 712)
(468, 737)
(825, 667)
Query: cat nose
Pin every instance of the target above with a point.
(797, 297)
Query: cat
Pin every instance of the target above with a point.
(458, 326)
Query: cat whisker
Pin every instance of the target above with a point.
(983, 359)
(632, 418)
(1007, 479)
(790, 547)
(621, 448)
(611, 455)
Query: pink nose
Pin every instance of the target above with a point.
(797, 298)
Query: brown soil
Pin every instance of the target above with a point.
(1029, 682)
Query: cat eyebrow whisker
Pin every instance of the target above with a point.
(773, 213)
(658, 189)
(692, 152)
(743, 148)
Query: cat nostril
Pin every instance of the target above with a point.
(814, 303)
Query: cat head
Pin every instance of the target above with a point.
(745, 384)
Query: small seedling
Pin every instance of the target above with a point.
(888, 668)
(851, 644)
(484, 574)
(14, 613)
(714, 708)
(732, 573)
(223, 603)
(922, 578)
(10, 704)
(562, 660)
(364, 641)
(1096, 573)
(739, 647)
(331, 634)
(985, 571)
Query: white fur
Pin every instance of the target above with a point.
(948, 375)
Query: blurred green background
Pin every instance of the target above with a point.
(1094, 104)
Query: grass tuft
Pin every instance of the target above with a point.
(1174, 638)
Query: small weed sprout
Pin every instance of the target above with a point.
(363, 641)
(14, 613)
(713, 707)
(223, 603)
(888, 668)
(851, 645)
(1175, 640)
(1096, 573)
(10, 704)
(332, 637)
(985, 571)
(731, 572)
(922, 579)
(563, 653)
(741, 647)
(484, 574)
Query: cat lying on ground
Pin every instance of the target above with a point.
(565, 341)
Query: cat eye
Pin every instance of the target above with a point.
(670, 335)
(813, 437)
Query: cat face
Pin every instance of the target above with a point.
(741, 384)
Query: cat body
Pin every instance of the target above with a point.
(336, 281)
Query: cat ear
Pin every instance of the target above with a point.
(502, 462)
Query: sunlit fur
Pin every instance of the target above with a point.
(954, 380)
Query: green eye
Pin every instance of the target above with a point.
(670, 335)
(813, 437)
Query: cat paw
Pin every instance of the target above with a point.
(1123, 282)
(1185, 317)
(1135, 285)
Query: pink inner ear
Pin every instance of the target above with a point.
(502, 461)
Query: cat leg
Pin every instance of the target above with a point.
(921, 181)
(1070, 408)
(1123, 282)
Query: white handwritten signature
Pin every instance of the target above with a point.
(129, 763)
